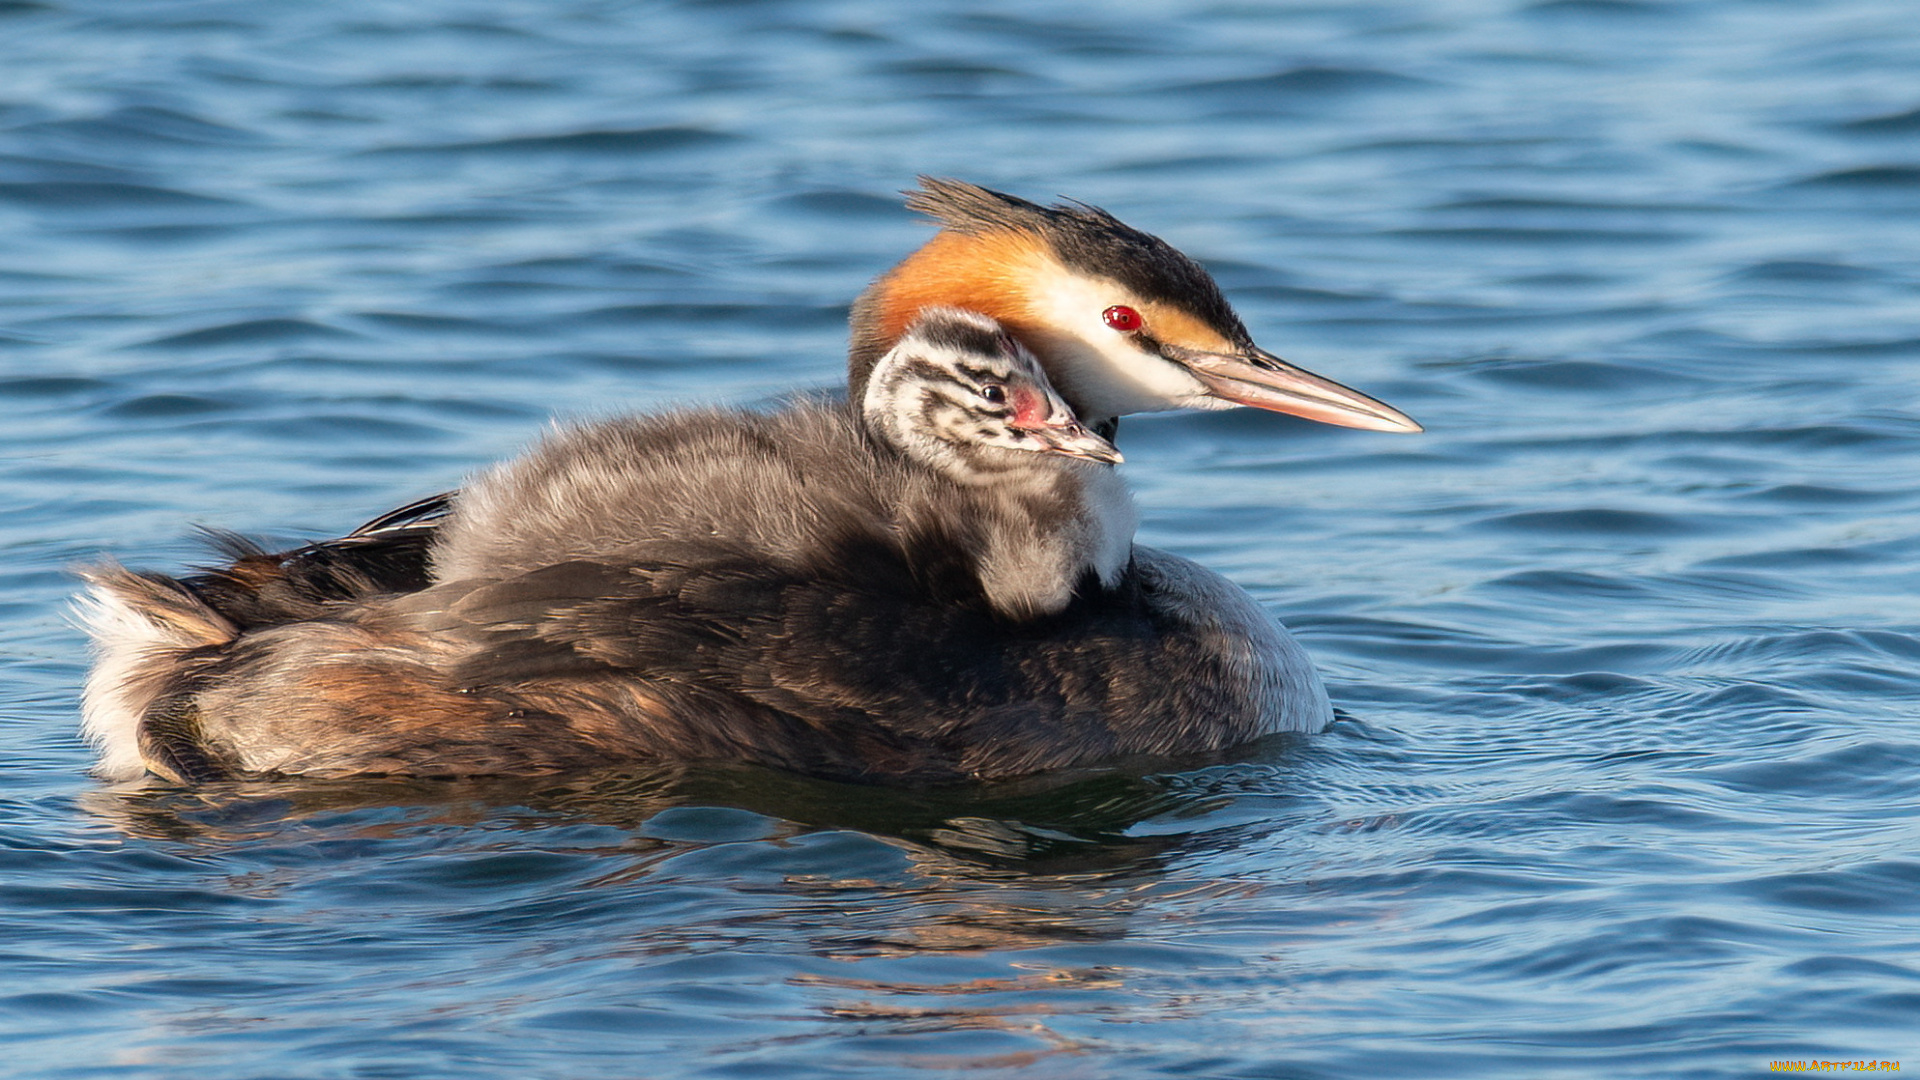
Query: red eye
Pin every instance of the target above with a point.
(1122, 318)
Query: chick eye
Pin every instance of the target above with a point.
(1123, 318)
(994, 393)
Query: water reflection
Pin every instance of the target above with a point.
(969, 927)
(1076, 823)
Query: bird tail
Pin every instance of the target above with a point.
(146, 629)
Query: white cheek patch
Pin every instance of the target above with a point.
(1100, 369)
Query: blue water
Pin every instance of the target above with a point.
(1628, 641)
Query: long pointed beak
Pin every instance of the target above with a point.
(1265, 381)
(1070, 438)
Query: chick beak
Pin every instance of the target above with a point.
(1062, 434)
(1264, 381)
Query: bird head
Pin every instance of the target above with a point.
(958, 392)
(1121, 320)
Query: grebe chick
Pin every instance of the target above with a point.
(964, 484)
(961, 455)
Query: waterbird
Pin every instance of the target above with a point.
(1168, 658)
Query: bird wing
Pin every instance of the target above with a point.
(866, 669)
(256, 588)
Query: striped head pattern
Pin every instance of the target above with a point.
(957, 392)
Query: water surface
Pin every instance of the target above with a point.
(1627, 642)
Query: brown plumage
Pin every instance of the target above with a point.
(600, 599)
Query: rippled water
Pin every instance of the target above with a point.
(1628, 641)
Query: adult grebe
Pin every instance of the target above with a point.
(1122, 322)
(570, 627)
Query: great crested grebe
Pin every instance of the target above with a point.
(697, 648)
